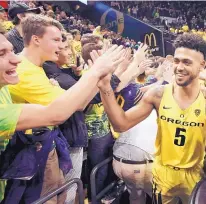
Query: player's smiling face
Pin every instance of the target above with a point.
(187, 65)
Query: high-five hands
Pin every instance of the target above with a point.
(141, 53)
(107, 62)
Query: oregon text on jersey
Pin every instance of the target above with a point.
(179, 122)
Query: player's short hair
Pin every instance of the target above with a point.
(2, 29)
(86, 49)
(191, 41)
(36, 25)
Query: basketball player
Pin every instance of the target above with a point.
(181, 121)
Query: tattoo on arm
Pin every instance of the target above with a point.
(158, 92)
(108, 92)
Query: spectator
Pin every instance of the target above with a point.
(87, 38)
(76, 44)
(4, 19)
(75, 126)
(145, 19)
(50, 14)
(99, 134)
(134, 11)
(57, 10)
(37, 50)
(63, 15)
(17, 12)
(26, 116)
(38, 26)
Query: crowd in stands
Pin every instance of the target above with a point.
(70, 69)
(187, 16)
(72, 20)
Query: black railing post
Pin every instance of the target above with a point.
(93, 179)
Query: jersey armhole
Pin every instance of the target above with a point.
(164, 95)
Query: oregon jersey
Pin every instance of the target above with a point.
(180, 139)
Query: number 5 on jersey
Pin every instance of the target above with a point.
(180, 137)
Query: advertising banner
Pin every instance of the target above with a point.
(128, 26)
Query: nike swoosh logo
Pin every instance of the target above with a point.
(164, 107)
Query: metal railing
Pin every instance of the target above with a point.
(94, 196)
(64, 187)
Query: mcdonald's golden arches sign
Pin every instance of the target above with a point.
(150, 39)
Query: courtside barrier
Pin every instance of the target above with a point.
(64, 187)
(94, 196)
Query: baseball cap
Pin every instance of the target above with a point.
(18, 8)
(2, 9)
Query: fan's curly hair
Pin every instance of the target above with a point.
(191, 41)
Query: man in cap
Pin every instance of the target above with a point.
(17, 12)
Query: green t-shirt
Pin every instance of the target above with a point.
(97, 121)
(9, 114)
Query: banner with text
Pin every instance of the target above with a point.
(127, 26)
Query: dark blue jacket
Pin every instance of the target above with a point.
(74, 129)
(24, 167)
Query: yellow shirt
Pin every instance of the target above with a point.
(185, 28)
(180, 139)
(172, 30)
(201, 33)
(34, 86)
(9, 114)
(97, 31)
(8, 25)
(77, 47)
(204, 37)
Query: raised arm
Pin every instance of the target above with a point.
(133, 70)
(61, 108)
(74, 98)
(122, 121)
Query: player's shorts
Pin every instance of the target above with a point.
(171, 183)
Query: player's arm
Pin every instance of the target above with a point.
(122, 121)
